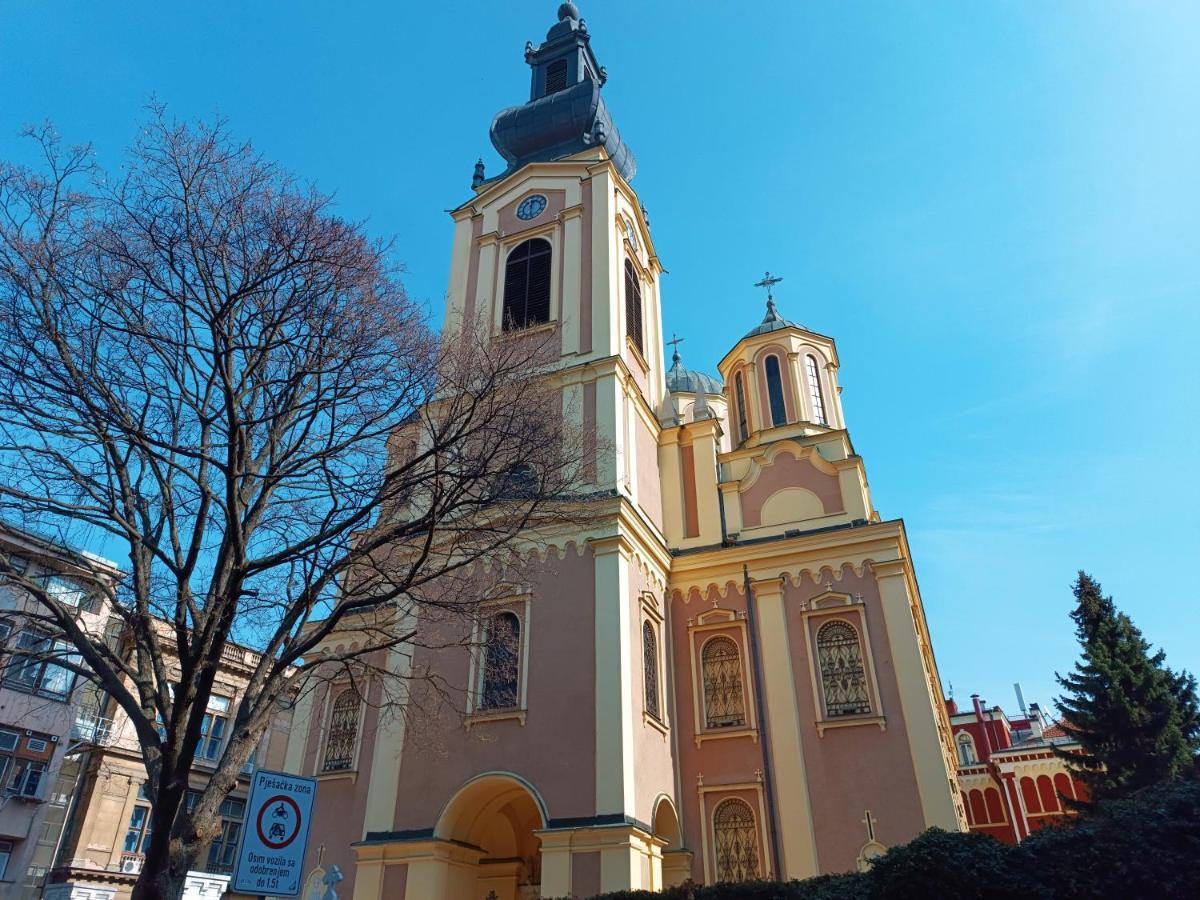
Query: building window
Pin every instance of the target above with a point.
(633, 306)
(223, 852)
(775, 392)
(743, 430)
(966, 750)
(721, 667)
(843, 678)
(556, 76)
(137, 835)
(501, 662)
(814, 390)
(6, 849)
(527, 285)
(650, 669)
(736, 841)
(39, 675)
(343, 732)
(212, 729)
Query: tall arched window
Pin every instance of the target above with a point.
(736, 841)
(343, 732)
(814, 390)
(966, 750)
(740, 389)
(775, 392)
(721, 667)
(843, 678)
(650, 669)
(527, 285)
(501, 662)
(633, 306)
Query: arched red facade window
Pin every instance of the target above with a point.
(978, 808)
(1062, 784)
(1030, 795)
(1046, 793)
(994, 808)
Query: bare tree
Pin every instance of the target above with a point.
(203, 363)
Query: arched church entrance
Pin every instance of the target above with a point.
(497, 813)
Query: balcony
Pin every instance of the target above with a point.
(91, 728)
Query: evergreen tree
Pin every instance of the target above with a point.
(1138, 721)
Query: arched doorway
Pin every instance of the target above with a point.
(498, 813)
(676, 861)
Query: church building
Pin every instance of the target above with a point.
(729, 674)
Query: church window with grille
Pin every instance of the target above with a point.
(501, 662)
(736, 841)
(843, 678)
(814, 390)
(556, 76)
(775, 391)
(650, 669)
(343, 732)
(721, 667)
(633, 306)
(527, 285)
(739, 388)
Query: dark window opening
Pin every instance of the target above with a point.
(556, 76)
(743, 431)
(633, 306)
(527, 285)
(502, 662)
(775, 392)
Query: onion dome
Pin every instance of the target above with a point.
(681, 380)
(565, 113)
(772, 321)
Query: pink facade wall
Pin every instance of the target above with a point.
(654, 773)
(555, 749)
(853, 769)
(649, 482)
(785, 472)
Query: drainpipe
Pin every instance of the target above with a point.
(761, 709)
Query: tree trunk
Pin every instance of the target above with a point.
(168, 857)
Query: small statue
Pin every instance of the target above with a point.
(332, 877)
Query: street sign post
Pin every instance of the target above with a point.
(278, 814)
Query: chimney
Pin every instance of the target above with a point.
(987, 738)
(1035, 720)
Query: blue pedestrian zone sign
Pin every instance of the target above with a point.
(278, 814)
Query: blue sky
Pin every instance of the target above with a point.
(993, 207)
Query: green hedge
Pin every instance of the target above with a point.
(1148, 846)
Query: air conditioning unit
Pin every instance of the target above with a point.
(131, 865)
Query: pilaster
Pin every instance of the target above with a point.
(614, 683)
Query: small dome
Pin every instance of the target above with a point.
(568, 10)
(772, 321)
(681, 380)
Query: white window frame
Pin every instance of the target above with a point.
(651, 613)
(518, 602)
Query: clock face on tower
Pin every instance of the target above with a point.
(531, 207)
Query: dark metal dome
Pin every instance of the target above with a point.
(681, 380)
(772, 321)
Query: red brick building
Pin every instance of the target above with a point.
(1011, 780)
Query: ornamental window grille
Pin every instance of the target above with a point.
(736, 841)
(633, 306)
(743, 430)
(721, 667)
(843, 678)
(814, 390)
(527, 285)
(650, 668)
(501, 662)
(775, 392)
(343, 732)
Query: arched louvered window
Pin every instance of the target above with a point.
(814, 390)
(721, 667)
(650, 669)
(527, 285)
(740, 390)
(775, 391)
(556, 76)
(843, 678)
(343, 732)
(501, 662)
(736, 841)
(633, 306)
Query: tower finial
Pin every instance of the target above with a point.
(675, 342)
(478, 178)
(568, 10)
(769, 281)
